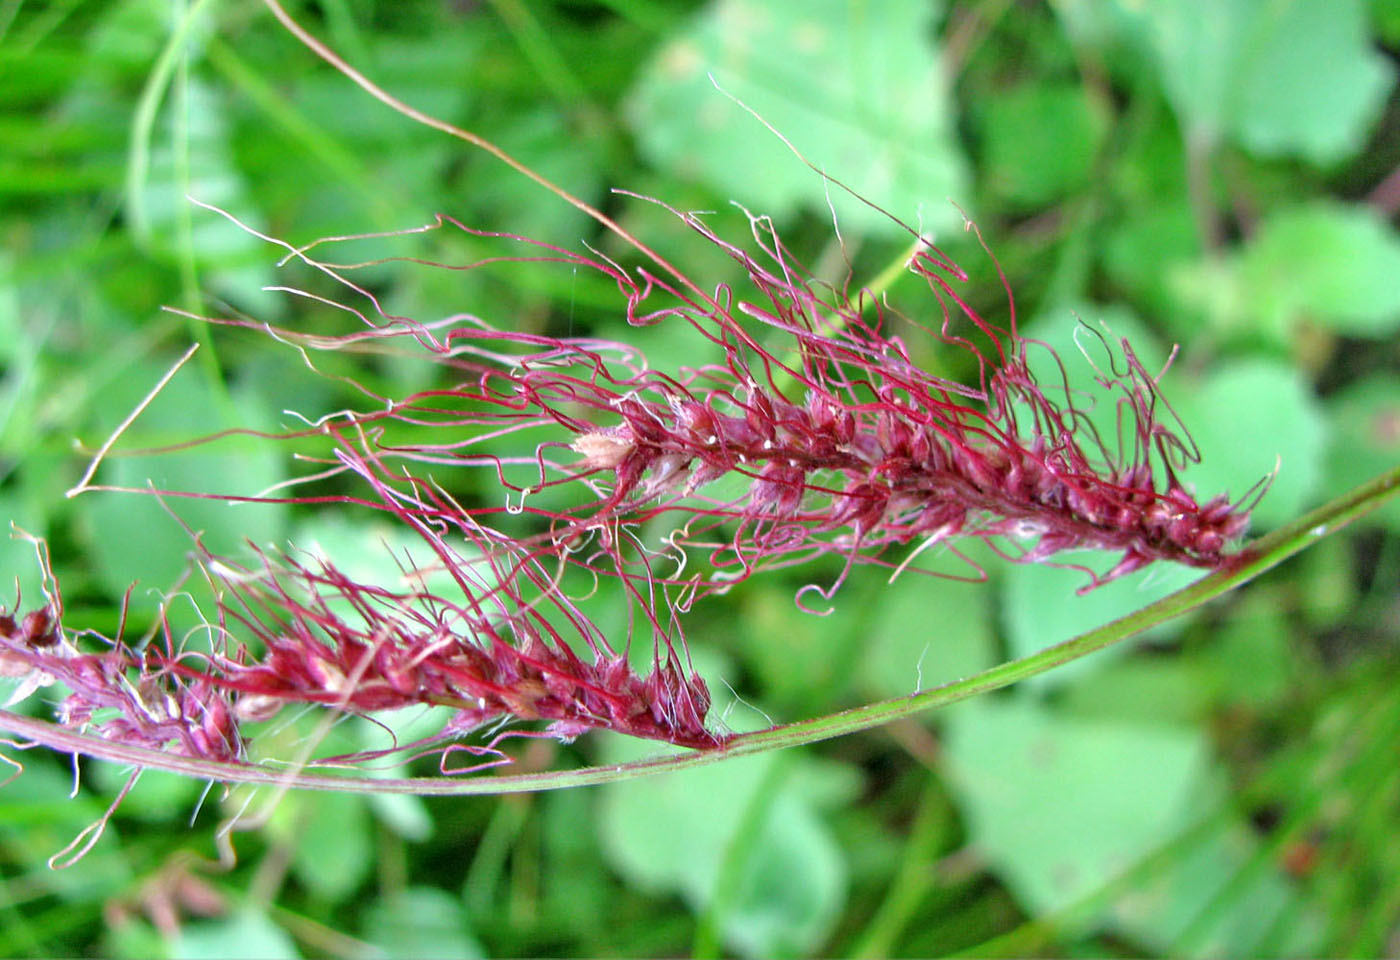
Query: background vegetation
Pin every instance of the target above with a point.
(1222, 176)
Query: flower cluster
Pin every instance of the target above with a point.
(499, 645)
(118, 693)
(811, 430)
(831, 437)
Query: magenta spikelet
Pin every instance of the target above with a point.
(500, 648)
(117, 692)
(844, 444)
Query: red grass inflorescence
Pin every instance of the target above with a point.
(808, 430)
(117, 692)
(499, 644)
(820, 432)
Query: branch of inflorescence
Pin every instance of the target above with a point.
(1256, 558)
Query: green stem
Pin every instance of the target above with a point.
(1258, 557)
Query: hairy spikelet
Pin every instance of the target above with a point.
(815, 433)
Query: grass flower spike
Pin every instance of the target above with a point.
(816, 424)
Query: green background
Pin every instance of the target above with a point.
(1221, 176)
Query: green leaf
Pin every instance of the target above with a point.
(1333, 264)
(249, 933)
(22, 339)
(1251, 659)
(1040, 606)
(1320, 114)
(157, 796)
(1248, 418)
(772, 913)
(15, 340)
(1156, 689)
(375, 552)
(741, 839)
(1212, 895)
(578, 890)
(1142, 251)
(115, 524)
(134, 939)
(38, 820)
(1292, 77)
(1061, 806)
(543, 142)
(406, 816)
(1040, 141)
(857, 89)
(332, 839)
(902, 654)
(19, 563)
(132, 33)
(803, 661)
(1385, 14)
(1365, 433)
(422, 922)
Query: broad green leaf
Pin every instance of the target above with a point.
(431, 72)
(13, 336)
(1060, 806)
(1248, 418)
(744, 835)
(1213, 894)
(1154, 690)
(1041, 606)
(1076, 346)
(248, 933)
(1327, 263)
(1385, 15)
(425, 922)
(19, 562)
(1250, 658)
(1326, 590)
(406, 815)
(924, 631)
(1365, 437)
(1095, 24)
(134, 939)
(1294, 77)
(772, 912)
(379, 163)
(1039, 142)
(157, 796)
(543, 142)
(637, 822)
(855, 87)
(131, 537)
(577, 888)
(374, 551)
(1142, 251)
(38, 820)
(1321, 114)
(802, 660)
(333, 854)
(23, 334)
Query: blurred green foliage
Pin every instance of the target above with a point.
(1223, 176)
